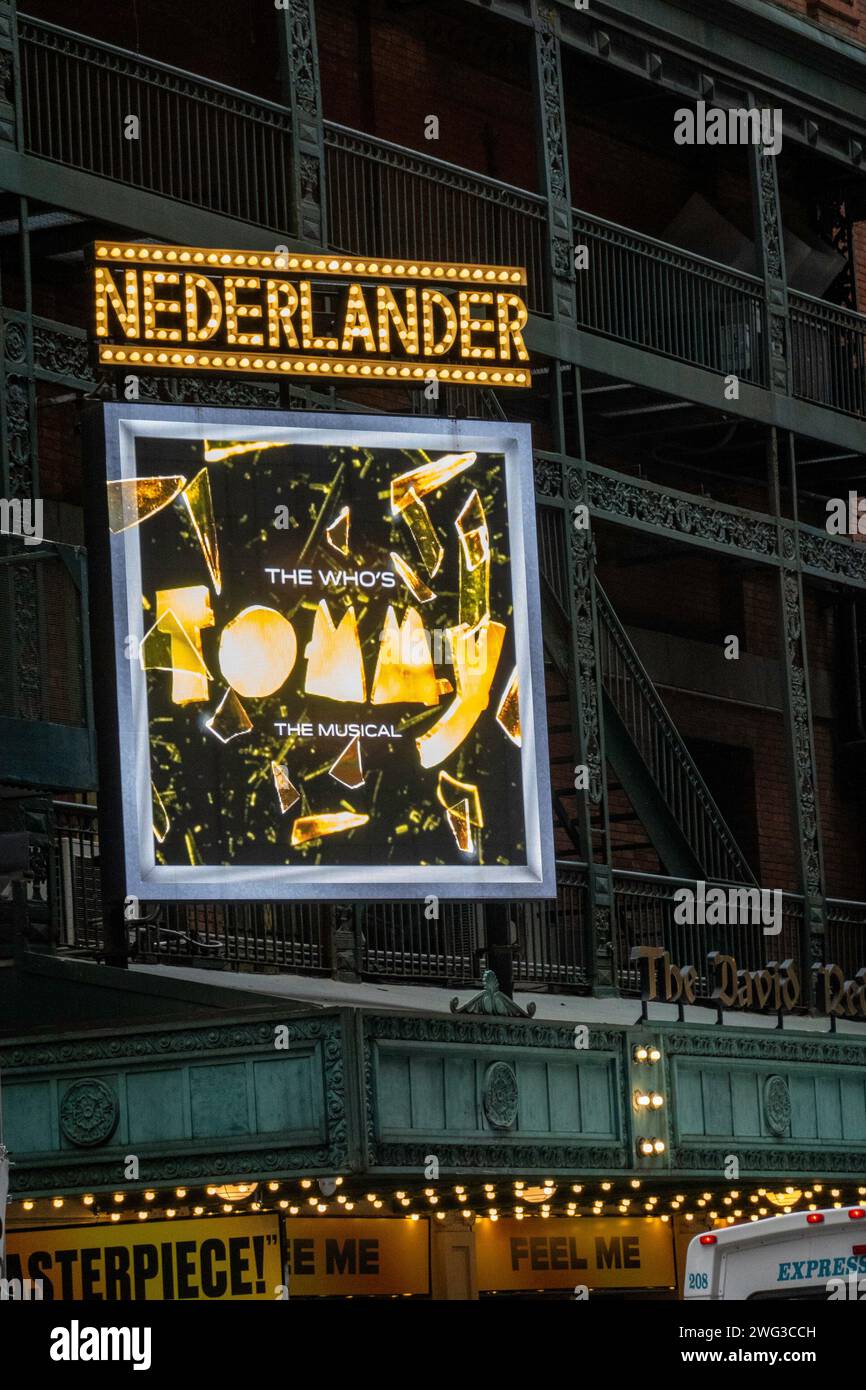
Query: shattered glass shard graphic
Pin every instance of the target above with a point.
(348, 768)
(199, 503)
(337, 534)
(463, 813)
(218, 453)
(407, 491)
(133, 500)
(474, 537)
(420, 591)
(286, 791)
(460, 824)
(508, 713)
(307, 828)
(230, 719)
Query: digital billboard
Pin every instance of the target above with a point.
(327, 652)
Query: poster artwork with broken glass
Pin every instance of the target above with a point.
(329, 677)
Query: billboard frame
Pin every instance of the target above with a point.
(112, 430)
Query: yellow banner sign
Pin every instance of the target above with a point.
(337, 1256)
(291, 314)
(599, 1253)
(231, 1257)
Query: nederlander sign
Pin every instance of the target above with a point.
(287, 314)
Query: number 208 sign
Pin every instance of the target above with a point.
(327, 655)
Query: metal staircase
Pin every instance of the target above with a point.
(656, 768)
(658, 784)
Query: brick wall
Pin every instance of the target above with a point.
(386, 73)
(229, 41)
(844, 17)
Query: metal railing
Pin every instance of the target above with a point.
(196, 141)
(204, 144)
(398, 941)
(846, 935)
(644, 907)
(663, 752)
(647, 293)
(270, 936)
(828, 354)
(384, 200)
(553, 558)
(77, 883)
(551, 946)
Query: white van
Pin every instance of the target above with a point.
(805, 1254)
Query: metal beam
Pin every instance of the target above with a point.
(664, 374)
(770, 245)
(301, 92)
(802, 760)
(553, 159)
(565, 486)
(738, 532)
